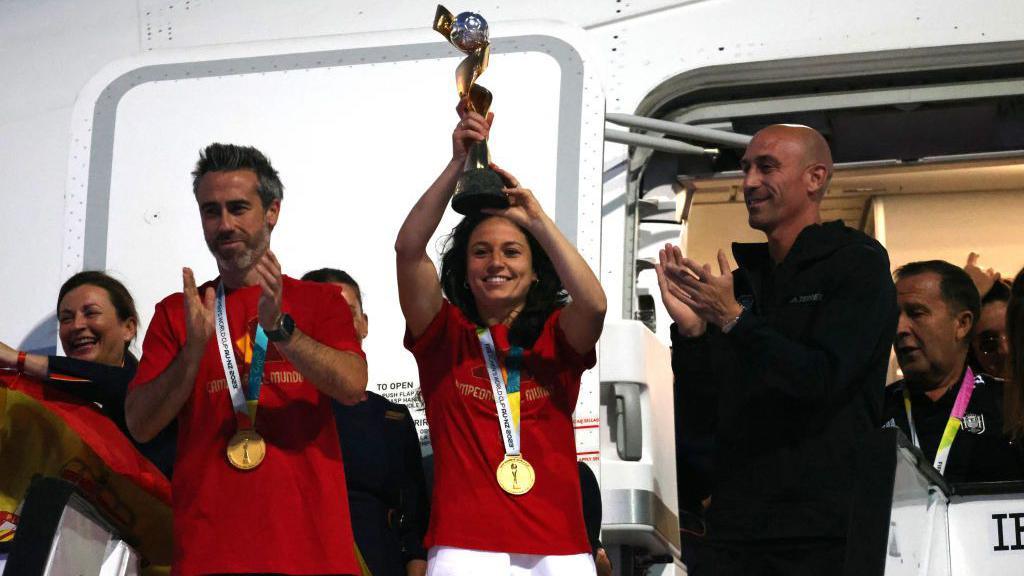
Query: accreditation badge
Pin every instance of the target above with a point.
(516, 475)
(246, 449)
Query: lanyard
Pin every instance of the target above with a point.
(506, 398)
(244, 404)
(963, 398)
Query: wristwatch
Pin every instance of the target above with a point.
(283, 331)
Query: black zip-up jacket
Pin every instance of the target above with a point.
(795, 385)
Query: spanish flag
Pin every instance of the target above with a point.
(44, 431)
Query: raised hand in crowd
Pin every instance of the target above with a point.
(983, 279)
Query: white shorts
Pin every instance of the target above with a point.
(449, 561)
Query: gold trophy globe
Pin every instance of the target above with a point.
(478, 187)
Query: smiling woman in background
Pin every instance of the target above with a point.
(97, 323)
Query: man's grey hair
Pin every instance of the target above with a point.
(227, 157)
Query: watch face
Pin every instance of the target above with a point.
(284, 330)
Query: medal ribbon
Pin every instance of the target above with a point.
(506, 398)
(244, 403)
(259, 356)
(963, 398)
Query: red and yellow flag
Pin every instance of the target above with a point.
(47, 432)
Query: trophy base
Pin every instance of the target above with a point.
(478, 189)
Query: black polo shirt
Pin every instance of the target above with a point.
(980, 452)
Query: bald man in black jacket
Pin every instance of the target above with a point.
(789, 353)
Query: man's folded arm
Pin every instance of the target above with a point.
(341, 374)
(158, 393)
(151, 406)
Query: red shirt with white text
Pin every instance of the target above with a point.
(289, 514)
(468, 508)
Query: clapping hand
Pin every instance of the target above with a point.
(675, 299)
(693, 294)
(199, 312)
(269, 307)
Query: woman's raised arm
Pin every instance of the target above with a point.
(583, 318)
(419, 290)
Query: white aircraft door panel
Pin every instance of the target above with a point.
(358, 126)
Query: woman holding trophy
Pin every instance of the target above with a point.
(501, 341)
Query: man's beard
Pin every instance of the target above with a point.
(255, 247)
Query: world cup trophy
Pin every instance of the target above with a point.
(478, 187)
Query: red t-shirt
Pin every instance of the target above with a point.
(290, 514)
(468, 508)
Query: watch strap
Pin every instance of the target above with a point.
(283, 330)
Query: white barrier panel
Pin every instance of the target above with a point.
(937, 529)
(986, 533)
(917, 542)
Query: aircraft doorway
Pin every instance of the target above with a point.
(928, 145)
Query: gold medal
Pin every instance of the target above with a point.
(516, 475)
(246, 449)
